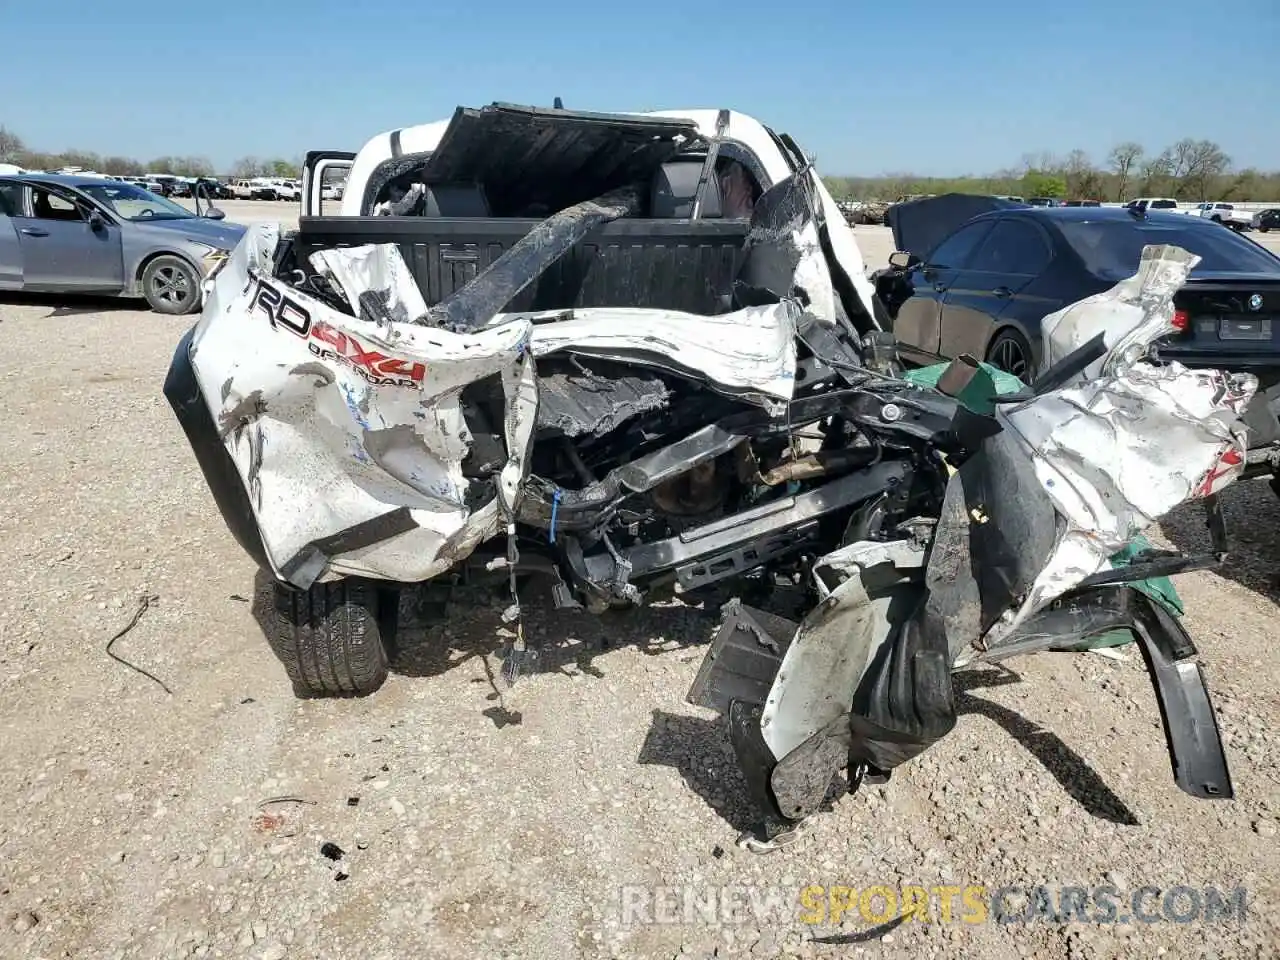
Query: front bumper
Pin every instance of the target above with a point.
(183, 393)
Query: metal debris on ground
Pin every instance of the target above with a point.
(271, 800)
(144, 604)
(331, 851)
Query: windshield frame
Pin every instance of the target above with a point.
(1205, 239)
(98, 192)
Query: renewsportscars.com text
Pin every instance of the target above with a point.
(819, 905)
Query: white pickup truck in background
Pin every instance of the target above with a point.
(1224, 213)
(1165, 204)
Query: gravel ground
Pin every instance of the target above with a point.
(133, 823)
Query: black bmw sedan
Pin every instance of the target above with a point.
(986, 284)
(981, 284)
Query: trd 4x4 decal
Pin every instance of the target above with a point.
(328, 342)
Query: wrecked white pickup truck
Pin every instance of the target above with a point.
(637, 352)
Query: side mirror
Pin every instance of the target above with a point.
(900, 259)
(96, 222)
(213, 213)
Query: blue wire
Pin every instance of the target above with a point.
(555, 509)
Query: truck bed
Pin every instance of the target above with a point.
(684, 265)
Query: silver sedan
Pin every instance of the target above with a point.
(69, 234)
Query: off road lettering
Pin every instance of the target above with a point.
(372, 376)
(329, 343)
(372, 364)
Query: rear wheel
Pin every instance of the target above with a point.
(330, 638)
(1010, 352)
(171, 285)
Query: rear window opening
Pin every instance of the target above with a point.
(504, 161)
(668, 194)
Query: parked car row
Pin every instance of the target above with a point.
(266, 188)
(210, 188)
(1221, 212)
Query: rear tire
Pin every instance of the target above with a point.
(1010, 352)
(330, 638)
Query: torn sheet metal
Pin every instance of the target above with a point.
(783, 250)
(750, 353)
(1132, 439)
(374, 280)
(1131, 315)
(349, 433)
(582, 403)
(844, 247)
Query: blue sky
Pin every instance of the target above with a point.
(871, 87)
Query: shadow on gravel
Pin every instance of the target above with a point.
(700, 751)
(1252, 512)
(437, 631)
(70, 305)
(1070, 769)
(434, 635)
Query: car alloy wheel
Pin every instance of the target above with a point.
(170, 285)
(1010, 353)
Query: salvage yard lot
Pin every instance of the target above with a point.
(473, 827)
(876, 242)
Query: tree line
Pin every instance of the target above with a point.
(14, 150)
(1189, 170)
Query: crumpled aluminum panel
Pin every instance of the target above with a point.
(1130, 439)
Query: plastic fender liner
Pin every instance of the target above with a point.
(906, 702)
(840, 639)
(755, 761)
(1190, 724)
(800, 781)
